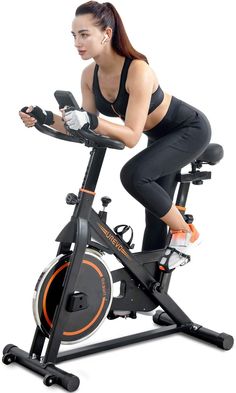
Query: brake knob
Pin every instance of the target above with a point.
(72, 199)
(105, 201)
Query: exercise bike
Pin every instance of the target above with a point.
(74, 294)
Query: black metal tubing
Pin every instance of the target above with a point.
(53, 374)
(37, 344)
(221, 340)
(61, 314)
(88, 137)
(172, 318)
(93, 169)
(118, 342)
(81, 216)
(138, 270)
(182, 194)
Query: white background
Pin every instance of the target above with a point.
(191, 46)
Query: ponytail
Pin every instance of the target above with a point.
(106, 15)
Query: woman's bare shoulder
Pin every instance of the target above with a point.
(141, 69)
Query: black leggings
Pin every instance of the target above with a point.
(150, 176)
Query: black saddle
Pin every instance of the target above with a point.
(213, 154)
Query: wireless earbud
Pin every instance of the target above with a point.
(105, 39)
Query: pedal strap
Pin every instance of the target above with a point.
(165, 266)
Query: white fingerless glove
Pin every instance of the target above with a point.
(77, 119)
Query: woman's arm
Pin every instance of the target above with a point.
(58, 124)
(139, 87)
(88, 105)
(30, 121)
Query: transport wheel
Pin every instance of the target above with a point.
(49, 380)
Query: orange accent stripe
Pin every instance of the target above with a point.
(93, 266)
(87, 191)
(46, 293)
(181, 208)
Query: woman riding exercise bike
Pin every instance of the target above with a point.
(120, 83)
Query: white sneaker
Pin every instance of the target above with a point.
(177, 253)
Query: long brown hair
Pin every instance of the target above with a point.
(106, 15)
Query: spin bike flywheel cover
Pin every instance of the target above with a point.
(94, 283)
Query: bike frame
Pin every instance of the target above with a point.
(84, 225)
(78, 230)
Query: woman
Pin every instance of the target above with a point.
(120, 83)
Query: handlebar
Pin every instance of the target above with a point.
(56, 134)
(88, 137)
(83, 135)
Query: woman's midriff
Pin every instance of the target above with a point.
(158, 114)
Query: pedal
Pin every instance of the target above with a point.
(164, 267)
(187, 260)
(121, 314)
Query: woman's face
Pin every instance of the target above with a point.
(87, 36)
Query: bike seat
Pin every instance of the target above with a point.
(213, 154)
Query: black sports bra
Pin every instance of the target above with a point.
(119, 106)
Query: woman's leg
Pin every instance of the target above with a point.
(155, 234)
(174, 219)
(164, 157)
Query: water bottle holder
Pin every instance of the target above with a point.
(120, 230)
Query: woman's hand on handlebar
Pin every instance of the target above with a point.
(34, 114)
(77, 119)
(28, 120)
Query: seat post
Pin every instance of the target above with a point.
(163, 277)
(182, 196)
